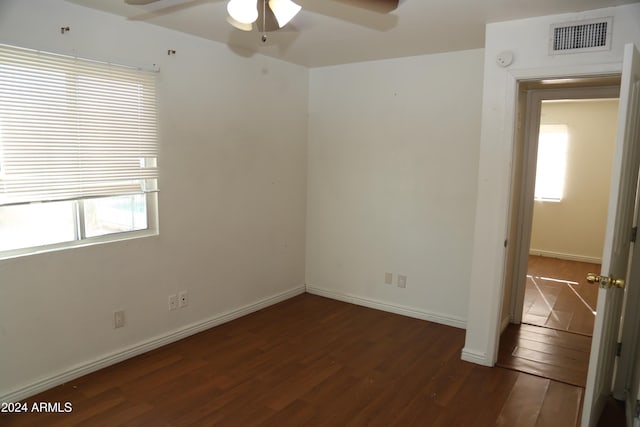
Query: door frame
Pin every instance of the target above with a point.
(514, 124)
(498, 145)
(524, 170)
(625, 378)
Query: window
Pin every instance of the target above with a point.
(78, 151)
(551, 167)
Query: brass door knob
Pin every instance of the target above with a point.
(605, 282)
(593, 278)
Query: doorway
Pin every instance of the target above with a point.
(558, 220)
(569, 212)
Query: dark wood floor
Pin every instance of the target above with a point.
(554, 339)
(311, 361)
(558, 295)
(549, 353)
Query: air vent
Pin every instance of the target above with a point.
(582, 36)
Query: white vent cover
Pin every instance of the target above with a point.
(581, 36)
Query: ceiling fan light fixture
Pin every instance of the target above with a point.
(284, 10)
(239, 25)
(243, 11)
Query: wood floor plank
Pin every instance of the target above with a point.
(477, 411)
(561, 406)
(297, 413)
(524, 403)
(554, 337)
(422, 397)
(544, 370)
(566, 352)
(123, 413)
(571, 364)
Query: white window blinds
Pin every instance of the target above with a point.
(73, 128)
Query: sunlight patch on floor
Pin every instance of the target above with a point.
(566, 282)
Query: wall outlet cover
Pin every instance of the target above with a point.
(402, 281)
(118, 319)
(173, 302)
(183, 299)
(388, 278)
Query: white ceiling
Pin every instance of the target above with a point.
(327, 32)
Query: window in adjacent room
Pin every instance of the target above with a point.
(551, 166)
(78, 152)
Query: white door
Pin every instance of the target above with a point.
(615, 257)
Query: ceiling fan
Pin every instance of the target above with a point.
(271, 15)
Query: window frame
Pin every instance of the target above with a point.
(77, 203)
(151, 230)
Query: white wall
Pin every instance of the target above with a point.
(393, 152)
(232, 203)
(528, 40)
(574, 227)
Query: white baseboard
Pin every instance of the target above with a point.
(505, 323)
(456, 322)
(476, 357)
(568, 257)
(145, 346)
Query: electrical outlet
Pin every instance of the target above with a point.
(173, 302)
(388, 278)
(183, 299)
(118, 319)
(402, 281)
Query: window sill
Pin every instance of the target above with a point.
(116, 237)
(548, 200)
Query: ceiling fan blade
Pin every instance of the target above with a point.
(367, 13)
(369, 16)
(139, 2)
(380, 6)
(150, 14)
